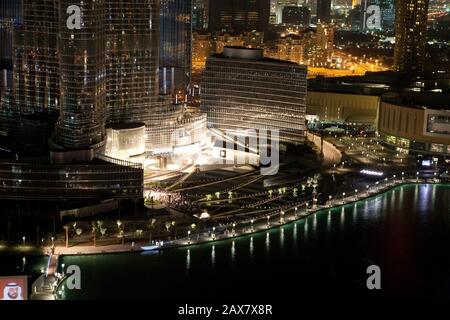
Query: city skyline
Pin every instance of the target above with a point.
(193, 153)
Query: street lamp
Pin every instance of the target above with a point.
(189, 236)
(343, 196)
(281, 216)
(251, 222)
(356, 194)
(233, 232)
(295, 212)
(53, 239)
(213, 233)
(23, 240)
(367, 190)
(268, 221)
(329, 201)
(403, 176)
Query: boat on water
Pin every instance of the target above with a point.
(153, 247)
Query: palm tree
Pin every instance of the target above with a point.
(151, 226)
(67, 228)
(94, 232)
(175, 229)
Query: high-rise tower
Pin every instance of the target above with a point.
(132, 55)
(36, 60)
(81, 124)
(410, 35)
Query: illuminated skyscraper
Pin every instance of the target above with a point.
(10, 15)
(132, 59)
(81, 124)
(239, 15)
(175, 45)
(410, 35)
(36, 59)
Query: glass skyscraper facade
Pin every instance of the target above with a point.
(36, 59)
(175, 44)
(83, 78)
(242, 90)
(10, 15)
(131, 59)
(104, 73)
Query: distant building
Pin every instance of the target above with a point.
(387, 14)
(296, 15)
(312, 47)
(243, 90)
(201, 50)
(226, 39)
(324, 11)
(200, 13)
(410, 35)
(238, 16)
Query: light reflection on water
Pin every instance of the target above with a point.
(355, 233)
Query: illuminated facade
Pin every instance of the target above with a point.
(243, 90)
(175, 44)
(83, 79)
(172, 131)
(36, 61)
(201, 50)
(413, 128)
(296, 15)
(310, 47)
(131, 59)
(10, 16)
(200, 13)
(410, 35)
(226, 39)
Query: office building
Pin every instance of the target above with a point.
(324, 11)
(410, 35)
(239, 15)
(242, 90)
(200, 14)
(296, 15)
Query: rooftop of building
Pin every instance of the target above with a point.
(429, 100)
(249, 54)
(378, 83)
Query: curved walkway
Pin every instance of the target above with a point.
(274, 220)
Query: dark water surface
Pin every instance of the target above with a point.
(406, 232)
